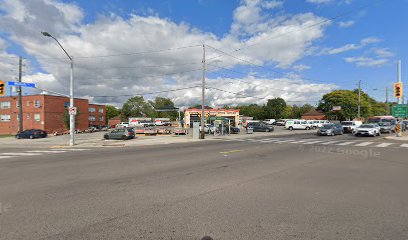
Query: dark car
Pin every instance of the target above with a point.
(234, 130)
(120, 133)
(330, 130)
(32, 133)
(260, 127)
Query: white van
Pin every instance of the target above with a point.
(269, 121)
(297, 124)
(319, 123)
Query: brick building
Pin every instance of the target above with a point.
(46, 112)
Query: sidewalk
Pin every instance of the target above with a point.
(96, 139)
(394, 137)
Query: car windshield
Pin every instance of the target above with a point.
(367, 126)
(384, 123)
(327, 126)
(347, 123)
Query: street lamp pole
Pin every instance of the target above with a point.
(71, 91)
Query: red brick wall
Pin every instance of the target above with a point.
(97, 115)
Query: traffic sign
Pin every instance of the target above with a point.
(21, 84)
(72, 111)
(400, 110)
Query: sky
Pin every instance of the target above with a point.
(254, 49)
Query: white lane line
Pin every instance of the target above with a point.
(286, 141)
(363, 144)
(384, 145)
(312, 142)
(329, 142)
(21, 154)
(302, 141)
(45, 151)
(1, 157)
(404, 145)
(345, 143)
(72, 149)
(269, 140)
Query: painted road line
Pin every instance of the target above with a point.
(404, 145)
(45, 151)
(231, 151)
(73, 149)
(312, 142)
(363, 144)
(330, 142)
(383, 145)
(345, 143)
(1, 157)
(21, 154)
(269, 140)
(302, 141)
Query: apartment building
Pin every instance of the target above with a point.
(46, 112)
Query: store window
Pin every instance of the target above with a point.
(91, 109)
(91, 118)
(100, 118)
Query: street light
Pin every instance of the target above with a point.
(71, 92)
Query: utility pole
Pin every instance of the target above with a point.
(20, 98)
(359, 100)
(386, 100)
(202, 134)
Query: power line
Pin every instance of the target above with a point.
(148, 93)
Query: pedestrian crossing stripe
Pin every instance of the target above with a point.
(46, 151)
(20, 154)
(2, 157)
(356, 143)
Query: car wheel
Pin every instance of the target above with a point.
(378, 134)
(106, 137)
(342, 132)
(291, 128)
(266, 130)
(18, 137)
(307, 128)
(124, 137)
(31, 137)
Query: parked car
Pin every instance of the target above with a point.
(368, 130)
(260, 127)
(120, 133)
(208, 128)
(319, 123)
(330, 130)
(270, 121)
(297, 124)
(232, 130)
(280, 122)
(31, 134)
(350, 126)
(122, 125)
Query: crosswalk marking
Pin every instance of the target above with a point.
(330, 142)
(312, 142)
(345, 143)
(384, 145)
(302, 141)
(1, 157)
(404, 145)
(46, 151)
(20, 154)
(363, 144)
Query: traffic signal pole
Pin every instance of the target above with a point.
(202, 134)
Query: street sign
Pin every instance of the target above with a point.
(400, 110)
(336, 108)
(21, 84)
(72, 111)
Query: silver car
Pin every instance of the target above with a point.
(120, 133)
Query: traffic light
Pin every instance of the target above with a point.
(2, 88)
(398, 90)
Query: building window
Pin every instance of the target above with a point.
(28, 116)
(5, 104)
(5, 118)
(91, 109)
(37, 117)
(37, 103)
(17, 104)
(91, 118)
(100, 118)
(101, 110)
(66, 104)
(28, 103)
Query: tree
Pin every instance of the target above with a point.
(136, 107)
(167, 104)
(252, 110)
(348, 101)
(111, 112)
(275, 108)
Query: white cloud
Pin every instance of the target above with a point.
(346, 24)
(301, 67)
(348, 47)
(280, 41)
(272, 4)
(319, 1)
(383, 52)
(367, 61)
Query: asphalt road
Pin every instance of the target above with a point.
(225, 189)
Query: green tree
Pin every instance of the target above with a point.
(275, 108)
(136, 107)
(160, 103)
(252, 110)
(111, 112)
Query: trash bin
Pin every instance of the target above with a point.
(250, 130)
